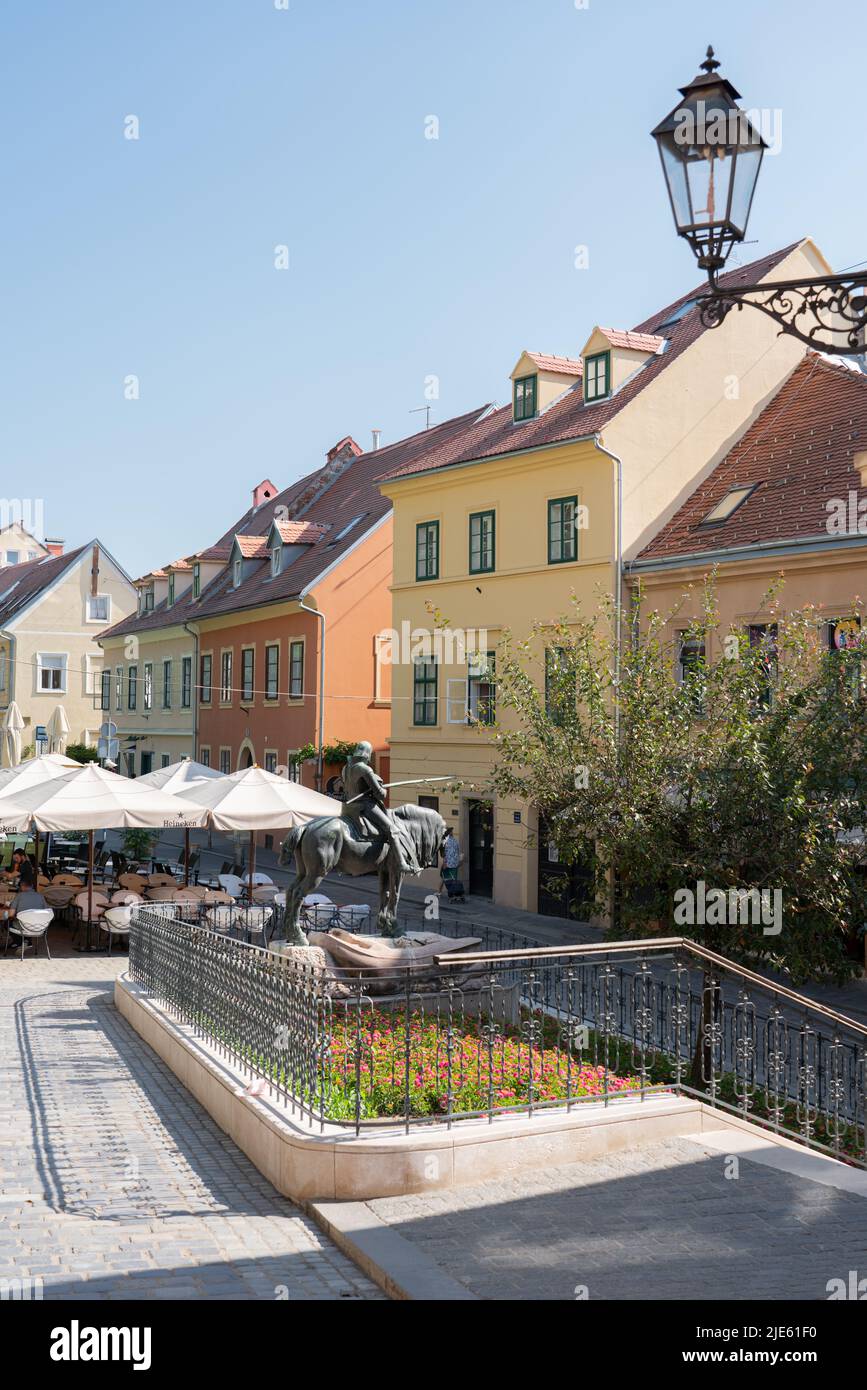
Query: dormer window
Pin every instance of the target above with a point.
(197, 580)
(276, 560)
(147, 599)
(525, 398)
(237, 573)
(597, 377)
(171, 598)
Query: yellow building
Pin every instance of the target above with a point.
(52, 610)
(554, 494)
(788, 502)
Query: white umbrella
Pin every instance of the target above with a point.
(58, 730)
(34, 770)
(175, 778)
(254, 799)
(13, 723)
(91, 798)
(31, 772)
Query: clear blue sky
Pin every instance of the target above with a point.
(408, 257)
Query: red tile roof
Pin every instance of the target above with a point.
(799, 451)
(348, 495)
(568, 418)
(566, 366)
(20, 583)
(637, 342)
(252, 547)
(301, 532)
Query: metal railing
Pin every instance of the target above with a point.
(511, 1030)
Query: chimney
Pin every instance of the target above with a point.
(94, 571)
(54, 546)
(344, 448)
(377, 435)
(337, 460)
(263, 492)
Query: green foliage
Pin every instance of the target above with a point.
(707, 779)
(138, 844)
(331, 752)
(82, 753)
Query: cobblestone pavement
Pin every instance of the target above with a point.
(661, 1222)
(114, 1182)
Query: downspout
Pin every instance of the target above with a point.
(10, 670)
(321, 616)
(618, 575)
(195, 684)
(618, 618)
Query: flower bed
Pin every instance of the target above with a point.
(367, 1068)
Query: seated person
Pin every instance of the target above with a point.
(26, 897)
(18, 858)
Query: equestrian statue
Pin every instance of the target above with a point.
(365, 838)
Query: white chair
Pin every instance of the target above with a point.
(318, 912)
(221, 919)
(354, 917)
(230, 883)
(257, 879)
(30, 925)
(255, 920)
(115, 922)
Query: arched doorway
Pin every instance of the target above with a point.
(246, 755)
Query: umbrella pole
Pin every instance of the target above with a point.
(89, 884)
(252, 866)
(36, 851)
(186, 858)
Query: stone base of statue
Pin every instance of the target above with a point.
(375, 968)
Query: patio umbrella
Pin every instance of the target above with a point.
(58, 730)
(13, 723)
(175, 778)
(31, 772)
(254, 799)
(92, 798)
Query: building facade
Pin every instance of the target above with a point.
(547, 498)
(780, 524)
(52, 611)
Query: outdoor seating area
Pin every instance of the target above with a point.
(86, 895)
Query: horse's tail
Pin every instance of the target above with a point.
(292, 842)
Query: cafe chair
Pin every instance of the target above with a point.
(114, 922)
(30, 925)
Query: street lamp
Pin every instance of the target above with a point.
(711, 157)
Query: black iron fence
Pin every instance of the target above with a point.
(506, 1030)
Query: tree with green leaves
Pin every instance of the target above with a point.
(690, 755)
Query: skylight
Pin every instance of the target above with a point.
(728, 505)
(675, 316)
(346, 530)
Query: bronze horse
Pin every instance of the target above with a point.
(330, 844)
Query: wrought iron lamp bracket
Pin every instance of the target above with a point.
(833, 305)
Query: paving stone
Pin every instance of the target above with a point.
(660, 1222)
(120, 1184)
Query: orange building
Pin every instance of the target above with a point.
(248, 651)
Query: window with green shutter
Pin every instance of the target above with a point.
(525, 398)
(482, 542)
(424, 692)
(597, 376)
(427, 550)
(296, 670)
(562, 535)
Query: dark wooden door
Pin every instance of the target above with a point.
(480, 858)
